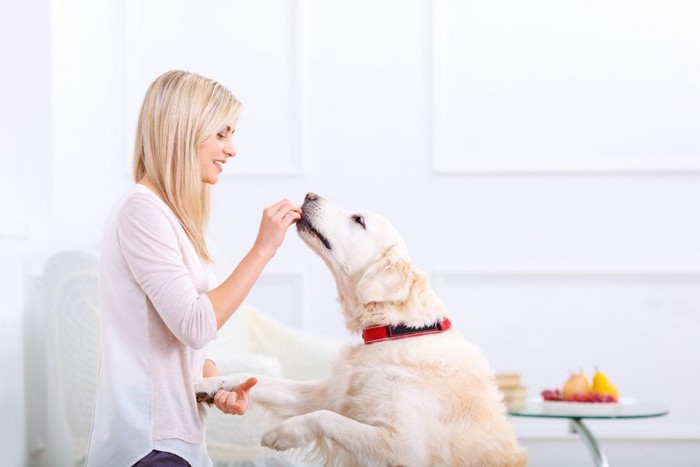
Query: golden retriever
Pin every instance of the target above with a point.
(415, 393)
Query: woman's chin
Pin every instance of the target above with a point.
(211, 179)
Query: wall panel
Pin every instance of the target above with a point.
(547, 323)
(546, 86)
(253, 48)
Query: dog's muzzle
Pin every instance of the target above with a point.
(309, 211)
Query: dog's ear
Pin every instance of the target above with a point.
(387, 280)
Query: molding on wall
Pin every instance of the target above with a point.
(297, 113)
(445, 169)
(443, 162)
(442, 277)
(439, 93)
(568, 274)
(35, 372)
(545, 429)
(129, 121)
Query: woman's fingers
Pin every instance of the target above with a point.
(229, 402)
(220, 400)
(276, 220)
(283, 213)
(247, 384)
(285, 207)
(236, 401)
(289, 218)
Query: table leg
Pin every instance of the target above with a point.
(576, 425)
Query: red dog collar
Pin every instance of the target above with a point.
(385, 333)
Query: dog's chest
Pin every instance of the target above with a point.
(365, 383)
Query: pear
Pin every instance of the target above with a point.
(576, 384)
(602, 385)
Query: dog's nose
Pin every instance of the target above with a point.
(311, 196)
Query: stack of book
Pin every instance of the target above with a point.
(514, 393)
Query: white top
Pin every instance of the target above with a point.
(154, 320)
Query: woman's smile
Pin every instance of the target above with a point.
(216, 149)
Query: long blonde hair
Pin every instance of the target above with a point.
(179, 112)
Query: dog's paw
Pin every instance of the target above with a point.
(206, 388)
(286, 435)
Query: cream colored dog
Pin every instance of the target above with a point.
(415, 393)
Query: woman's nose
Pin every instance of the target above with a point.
(229, 149)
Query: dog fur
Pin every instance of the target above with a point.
(427, 400)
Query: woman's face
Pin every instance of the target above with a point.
(213, 153)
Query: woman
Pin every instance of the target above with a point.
(157, 311)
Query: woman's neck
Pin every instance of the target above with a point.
(145, 181)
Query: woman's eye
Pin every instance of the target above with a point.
(360, 220)
(221, 136)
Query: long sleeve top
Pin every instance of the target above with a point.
(155, 320)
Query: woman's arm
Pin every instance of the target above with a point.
(227, 297)
(149, 242)
(209, 369)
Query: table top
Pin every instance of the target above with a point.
(626, 408)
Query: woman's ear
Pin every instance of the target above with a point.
(387, 280)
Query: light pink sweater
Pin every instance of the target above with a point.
(155, 320)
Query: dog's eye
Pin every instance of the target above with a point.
(360, 220)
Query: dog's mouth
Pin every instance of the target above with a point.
(303, 225)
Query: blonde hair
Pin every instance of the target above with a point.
(179, 112)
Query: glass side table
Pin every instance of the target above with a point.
(576, 412)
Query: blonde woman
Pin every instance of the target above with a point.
(157, 309)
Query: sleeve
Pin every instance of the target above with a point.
(151, 249)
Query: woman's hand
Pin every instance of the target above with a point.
(273, 226)
(236, 401)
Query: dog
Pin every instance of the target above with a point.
(414, 393)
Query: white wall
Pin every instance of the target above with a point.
(540, 159)
(25, 156)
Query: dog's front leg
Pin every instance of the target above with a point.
(358, 440)
(285, 398)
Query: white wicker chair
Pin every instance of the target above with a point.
(70, 304)
(250, 342)
(253, 342)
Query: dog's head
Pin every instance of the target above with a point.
(376, 282)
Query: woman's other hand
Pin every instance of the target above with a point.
(236, 401)
(276, 219)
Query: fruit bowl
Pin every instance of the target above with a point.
(579, 397)
(555, 395)
(583, 409)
